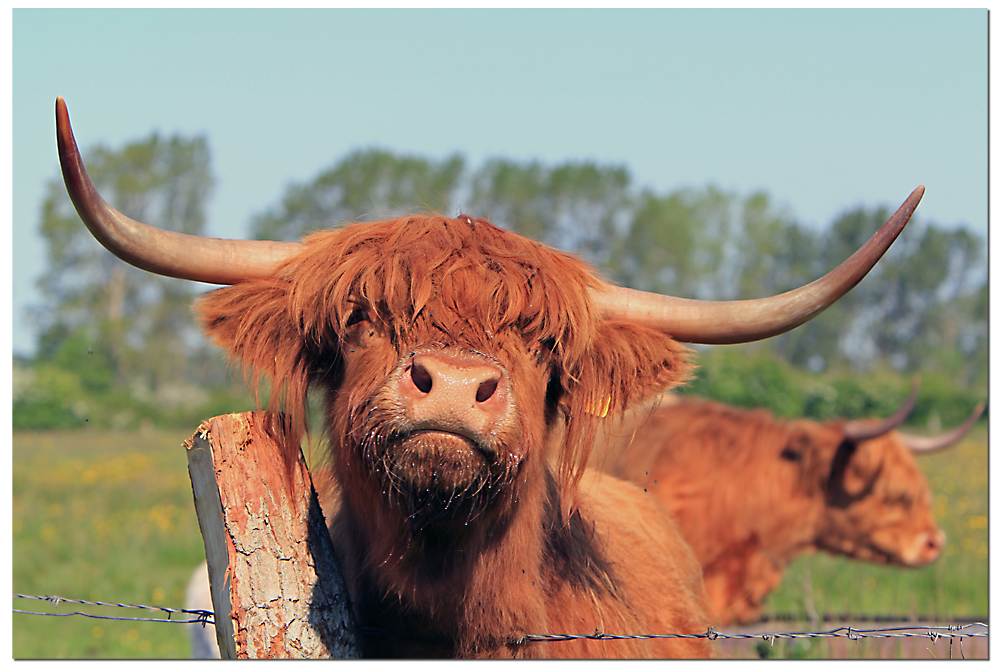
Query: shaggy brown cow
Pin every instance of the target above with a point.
(465, 371)
(749, 492)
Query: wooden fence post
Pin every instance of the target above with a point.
(276, 584)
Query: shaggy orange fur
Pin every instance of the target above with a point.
(460, 552)
(749, 492)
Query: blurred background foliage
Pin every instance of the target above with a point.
(118, 348)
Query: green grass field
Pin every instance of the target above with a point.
(106, 517)
(109, 517)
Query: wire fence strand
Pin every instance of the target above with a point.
(931, 632)
(845, 632)
(201, 615)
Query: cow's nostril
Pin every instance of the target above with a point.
(421, 378)
(486, 390)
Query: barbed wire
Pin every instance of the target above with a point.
(933, 633)
(202, 616)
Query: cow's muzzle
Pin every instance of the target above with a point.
(452, 426)
(461, 393)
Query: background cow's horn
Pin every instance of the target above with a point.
(923, 445)
(859, 431)
(208, 260)
(723, 322)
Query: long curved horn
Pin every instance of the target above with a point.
(858, 431)
(923, 445)
(724, 322)
(209, 260)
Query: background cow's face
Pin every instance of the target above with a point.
(878, 503)
(451, 352)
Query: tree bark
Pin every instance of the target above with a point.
(276, 584)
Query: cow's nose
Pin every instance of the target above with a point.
(934, 545)
(453, 390)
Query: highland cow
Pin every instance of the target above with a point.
(750, 492)
(466, 371)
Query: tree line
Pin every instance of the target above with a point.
(119, 347)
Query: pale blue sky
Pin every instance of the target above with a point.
(824, 110)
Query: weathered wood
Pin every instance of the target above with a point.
(208, 506)
(276, 584)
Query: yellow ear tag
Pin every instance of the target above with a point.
(592, 409)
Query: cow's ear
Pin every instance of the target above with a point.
(626, 364)
(862, 470)
(854, 470)
(252, 322)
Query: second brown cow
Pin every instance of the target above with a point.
(750, 492)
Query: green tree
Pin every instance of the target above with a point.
(940, 284)
(976, 338)
(368, 184)
(138, 324)
(510, 195)
(683, 244)
(662, 249)
(775, 253)
(914, 308)
(582, 207)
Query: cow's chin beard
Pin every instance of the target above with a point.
(436, 461)
(440, 479)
